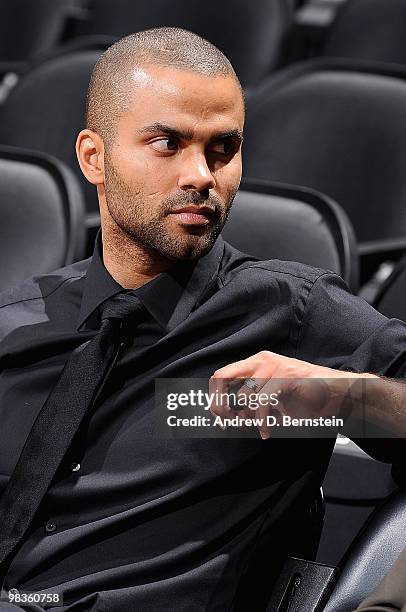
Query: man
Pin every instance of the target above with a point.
(133, 521)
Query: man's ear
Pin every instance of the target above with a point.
(90, 154)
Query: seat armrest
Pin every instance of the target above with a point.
(302, 585)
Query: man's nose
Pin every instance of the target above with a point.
(195, 173)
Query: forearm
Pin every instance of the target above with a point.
(381, 402)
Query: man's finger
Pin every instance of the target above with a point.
(217, 389)
(238, 369)
(260, 365)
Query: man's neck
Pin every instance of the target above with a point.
(129, 264)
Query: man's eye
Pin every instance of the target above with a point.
(225, 147)
(165, 144)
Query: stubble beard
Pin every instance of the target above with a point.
(126, 207)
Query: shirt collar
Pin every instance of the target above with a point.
(169, 298)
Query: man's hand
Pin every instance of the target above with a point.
(303, 389)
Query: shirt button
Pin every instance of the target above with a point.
(75, 467)
(50, 527)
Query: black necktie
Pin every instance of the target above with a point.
(80, 384)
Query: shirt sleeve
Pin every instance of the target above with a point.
(341, 330)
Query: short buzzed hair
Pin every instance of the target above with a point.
(165, 47)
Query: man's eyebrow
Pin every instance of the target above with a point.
(237, 134)
(162, 128)
(159, 128)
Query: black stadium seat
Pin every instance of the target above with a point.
(371, 555)
(391, 299)
(30, 28)
(355, 483)
(41, 213)
(270, 220)
(250, 33)
(305, 586)
(373, 30)
(46, 110)
(341, 129)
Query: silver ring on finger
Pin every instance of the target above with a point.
(251, 384)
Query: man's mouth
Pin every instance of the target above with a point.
(193, 215)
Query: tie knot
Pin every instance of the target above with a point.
(122, 306)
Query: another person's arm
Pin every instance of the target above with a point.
(390, 594)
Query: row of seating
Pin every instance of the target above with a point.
(257, 36)
(278, 149)
(43, 25)
(43, 223)
(338, 127)
(370, 30)
(334, 126)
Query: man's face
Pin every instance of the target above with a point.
(175, 164)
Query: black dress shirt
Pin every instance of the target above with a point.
(133, 522)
